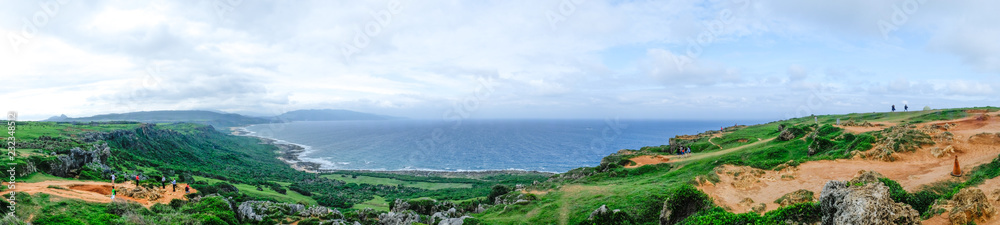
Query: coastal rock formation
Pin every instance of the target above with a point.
(843, 203)
(404, 218)
(901, 138)
(799, 196)
(970, 205)
(317, 211)
(514, 197)
(786, 135)
(258, 210)
(452, 217)
(69, 165)
(866, 176)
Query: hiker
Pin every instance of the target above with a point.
(112, 193)
(163, 182)
(906, 108)
(893, 108)
(112, 179)
(187, 189)
(174, 182)
(136, 180)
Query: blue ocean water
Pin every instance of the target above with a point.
(472, 145)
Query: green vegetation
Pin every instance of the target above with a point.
(393, 182)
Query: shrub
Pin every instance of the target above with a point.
(310, 221)
(719, 216)
(800, 213)
(276, 187)
(498, 190)
(161, 208)
(686, 201)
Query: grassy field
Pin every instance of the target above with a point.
(378, 203)
(39, 177)
(641, 194)
(394, 182)
(289, 196)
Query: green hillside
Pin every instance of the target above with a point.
(215, 119)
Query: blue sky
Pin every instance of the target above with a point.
(759, 60)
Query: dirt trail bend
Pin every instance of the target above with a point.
(93, 191)
(697, 156)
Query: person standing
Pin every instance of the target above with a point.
(893, 108)
(187, 189)
(113, 193)
(906, 108)
(137, 180)
(112, 181)
(174, 182)
(163, 182)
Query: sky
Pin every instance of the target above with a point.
(673, 59)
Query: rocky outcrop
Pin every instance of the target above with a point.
(452, 216)
(786, 135)
(258, 210)
(603, 215)
(970, 205)
(404, 218)
(866, 176)
(514, 197)
(941, 152)
(843, 203)
(69, 165)
(799, 196)
(142, 193)
(317, 211)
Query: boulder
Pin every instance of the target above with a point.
(142, 193)
(799, 196)
(970, 205)
(995, 196)
(940, 152)
(746, 202)
(759, 208)
(258, 210)
(391, 218)
(843, 203)
(69, 165)
(786, 135)
(603, 215)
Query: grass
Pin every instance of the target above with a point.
(39, 177)
(642, 196)
(378, 203)
(394, 182)
(289, 196)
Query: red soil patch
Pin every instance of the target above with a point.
(93, 191)
(100, 189)
(647, 160)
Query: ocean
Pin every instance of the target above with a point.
(473, 145)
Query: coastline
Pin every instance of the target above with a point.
(289, 152)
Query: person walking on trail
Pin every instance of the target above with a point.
(174, 182)
(163, 182)
(136, 180)
(113, 193)
(187, 189)
(112, 181)
(893, 108)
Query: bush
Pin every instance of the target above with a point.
(498, 190)
(719, 216)
(120, 207)
(301, 190)
(161, 208)
(686, 201)
(800, 213)
(276, 187)
(310, 221)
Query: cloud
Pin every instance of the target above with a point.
(671, 70)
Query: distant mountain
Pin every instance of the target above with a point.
(217, 120)
(330, 115)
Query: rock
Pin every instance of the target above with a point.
(514, 197)
(970, 205)
(799, 196)
(843, 203)
(69, 165)
(257, 210)
(602, 215)
(995, 196)
(315, 211)
(868, 176)
(759, 208)
(141, 193)
(391, 218)
(745, 177)
(939, 152)
(786, 135)
(400, 205)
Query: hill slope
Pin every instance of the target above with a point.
(215, 119)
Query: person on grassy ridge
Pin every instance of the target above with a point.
(906, 108)
(893, 108)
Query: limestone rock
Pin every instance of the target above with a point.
(866, 176)
(746, 202)
(985, 139)
(759, 208)
(391, 218)
(970, 205)
(603, 215)
(786, 135)
(843, 203)
(257, 210)
(946, 151)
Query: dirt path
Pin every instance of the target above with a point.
(648, 160)
(713, 143)
(93, 191)
(697, 156)
(912, 170)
